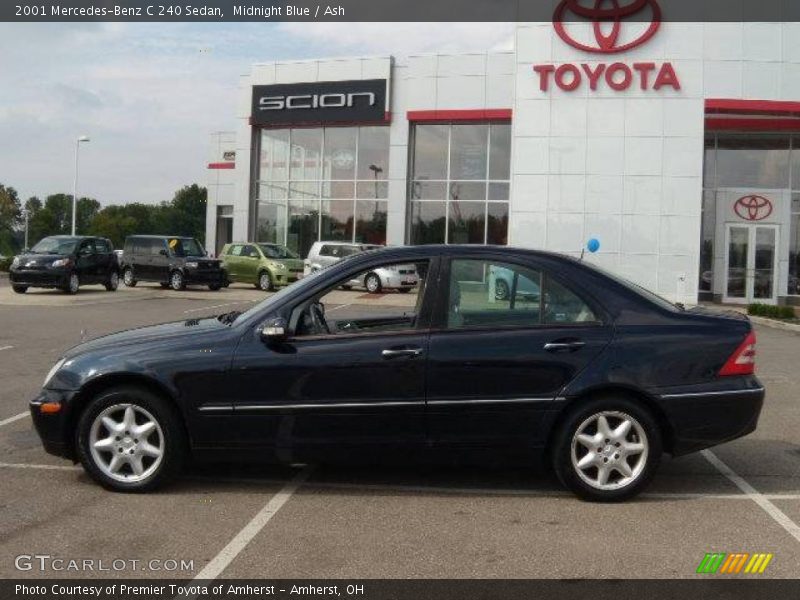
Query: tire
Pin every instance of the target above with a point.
(164, 285)
(501, 291)
(373, 283)
(214, 287)
(265, 282)
(73, 284)
(113, 282)
(586, 482)
(176, 281)
(404, 290)
(127, 277)
(167, 436)
(347, 288)
(19, 289)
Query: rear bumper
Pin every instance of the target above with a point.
(47, 278)
(704, 418)
(53, 428)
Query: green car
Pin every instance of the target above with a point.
(267, 266)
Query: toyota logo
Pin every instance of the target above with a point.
(753, 207)
(607, 17)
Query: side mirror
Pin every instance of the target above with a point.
(274, 330)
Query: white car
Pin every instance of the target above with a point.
(400, 277)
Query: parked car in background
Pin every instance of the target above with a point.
(267, 266)
(597, 377)
(325, 254)
(66, 262)
(172, 261)
(400, 277)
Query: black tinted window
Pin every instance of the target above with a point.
(562, 305)
(103, 247)
(155, 246)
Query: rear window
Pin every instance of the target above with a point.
(103, 247)
(636, 289)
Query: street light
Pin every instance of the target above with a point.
(83, 138)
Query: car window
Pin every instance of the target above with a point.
(87, 248)
(235, 250)
(344, 310)
(102, 246)
(273, 251)
(326, 250)
(54, 245)
(562, 305)
(250, 251)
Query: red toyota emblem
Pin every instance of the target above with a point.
(753, 207)
(607, 17)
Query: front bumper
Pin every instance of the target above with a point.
(205, 277)
(46, 278)
(707, 417)
(53, 428)
(283, 278)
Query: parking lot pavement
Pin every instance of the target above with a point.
(377, 521)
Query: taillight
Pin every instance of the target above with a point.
(743, 360)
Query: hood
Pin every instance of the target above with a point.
(290, 263)
(153, 334)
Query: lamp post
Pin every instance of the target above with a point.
(83, 138)
(26, 214)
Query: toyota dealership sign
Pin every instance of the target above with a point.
(615, 27)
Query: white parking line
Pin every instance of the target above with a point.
(191, 310)
(6, 347)
(773, 511)
(220, 562)
(14, 418)
(42, 467)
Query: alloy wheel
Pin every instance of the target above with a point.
(373, 284)
(127, 277)
(176, 281)
(126, 443)
(501, 291)
(113, 281)
(609, 450)
(74, 283)
(264, 282)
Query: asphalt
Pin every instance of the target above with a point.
(376, 522)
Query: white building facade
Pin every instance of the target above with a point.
(676, 146)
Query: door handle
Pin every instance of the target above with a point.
(564, 346)
(397, 352)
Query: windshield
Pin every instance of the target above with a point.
(636, 288)
(186, 247)
(273, 251)
(54, 245)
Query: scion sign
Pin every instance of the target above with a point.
(362, 101)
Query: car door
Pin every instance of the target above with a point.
(105, 259)
(159, 260)
(233, 261)
(497, 363)
(87, 262)
(250, 261)
(358, 389)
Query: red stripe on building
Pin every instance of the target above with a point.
(488, 114)
(750, 124)
(763, 107)
(222, 165)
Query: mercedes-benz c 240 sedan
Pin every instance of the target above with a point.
(594, 374)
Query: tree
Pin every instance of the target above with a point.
(55, 217)
(186, 214)
(9, 220)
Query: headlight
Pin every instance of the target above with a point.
(15, 262)
(276, 266)
(61, 262)
(53, 371)
(191, 265)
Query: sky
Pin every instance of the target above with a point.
(150, 95)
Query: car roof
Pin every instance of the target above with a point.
(160, 237)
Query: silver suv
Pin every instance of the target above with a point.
(397, 277)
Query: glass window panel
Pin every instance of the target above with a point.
(373, 153)
(371, 221)
(753, 161)
(467, 190)
(709, 161)
(337, 220)
(429, 190)
(427, 222)
(468, 147)
(303, 225)
(275, 190)
(497, 226)
(500, 152)
(562, 305)
(430, 151)
(794, 255)
(274, 164)
(708, 228)
(271, 222)
(373, 189)
(467, 222)
(306, 154)
(340, 153)
(338, 189)
(498, 191)
(304, 189)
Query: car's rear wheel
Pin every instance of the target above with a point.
(373, 283)
(176, 281)
(113, 282)
(608, 449)
(20, 289)
(501, 291)
(127, 277)
(214, 287)
(130, 440)
(73, 284)
(265, 281)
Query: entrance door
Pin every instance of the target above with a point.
(751, 263)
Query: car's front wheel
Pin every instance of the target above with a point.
(113, 282)
(265, 281)
(20, 289)
(130, 440)
(608, 449)
(73, 284)
(373, 283)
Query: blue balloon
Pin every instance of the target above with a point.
(593, 245)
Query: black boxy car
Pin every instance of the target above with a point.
(66, 262)
(593, 374)
(172, 261)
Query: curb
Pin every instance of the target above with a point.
(775, 324)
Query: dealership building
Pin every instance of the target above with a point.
(675, 145)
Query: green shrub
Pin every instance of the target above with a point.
(773, 312)
(5, 263)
